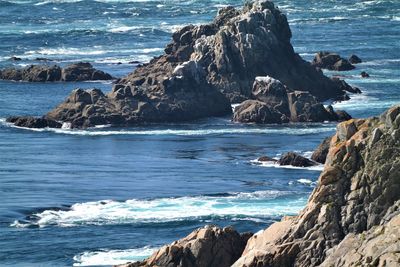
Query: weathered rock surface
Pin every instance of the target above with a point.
(295, 159)
(320, 154)
(331, 61)
(237, 47)
(351, 218)
(53, 73)
(208, 246)
(275, 103)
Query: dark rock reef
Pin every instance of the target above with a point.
(331, 61)
(294, 159)
(53, 73)
(273, 102)
(32, 122)
(202, 66)
(208, 246)
(352, 217)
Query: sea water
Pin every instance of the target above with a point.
(110, 195)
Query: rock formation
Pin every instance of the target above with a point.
(273, 102)
(208, 246)
(295, 159)
(331, 61)
(353, 59)
(353, 207)
(319, 155)
(352, 217)
(53, 73)
(201, 65)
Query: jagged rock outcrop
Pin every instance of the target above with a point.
(354, 206)
(201, 66)
(209, 246)
(331, 61)
(320, 154)
(275, 103)
(53, 73)
(294, 159)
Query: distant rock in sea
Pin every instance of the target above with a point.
(352, 217)
(331, 61)
(203, 69)
(53, 73)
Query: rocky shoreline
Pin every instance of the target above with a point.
(351, 219)
(206, 68)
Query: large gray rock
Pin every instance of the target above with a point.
(320, 154)
(209, 246)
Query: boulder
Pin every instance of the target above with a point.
(319, 155)
(32, 122)
(54, 73)
(276, 103)
(331, 61)
(83, 72)
(254, 111)
(209, 246)
(296, 160)
(352, 216)
(353, 59)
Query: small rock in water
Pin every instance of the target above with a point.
(15, 59)
(296, 160)
(353, 59)
(266, 159)
(331, 61)
(364, 74)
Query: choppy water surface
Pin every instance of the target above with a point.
(108, 195)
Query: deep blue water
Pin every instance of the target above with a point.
(110, 195)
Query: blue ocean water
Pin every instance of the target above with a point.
(105, 196)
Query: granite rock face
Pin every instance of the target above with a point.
(352, 214)
(208, 246)
(331, 61)
(53, 73)
(273, 102)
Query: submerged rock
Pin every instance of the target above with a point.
(209, 246)
(331, 61)
(296, 160)
(275, 103)
(54, 73)
(351, 218)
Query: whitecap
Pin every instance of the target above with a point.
(273, 164)
(112, 257)
(259, 204)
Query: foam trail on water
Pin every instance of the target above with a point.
(272, 164)
(112, 257)
(259, 204)
(290, 130)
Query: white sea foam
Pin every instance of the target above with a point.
(66, 51)
(179, 132)
(259, 204)
(272, 164)
(112, 257)
(363, 102)
(305, 181)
